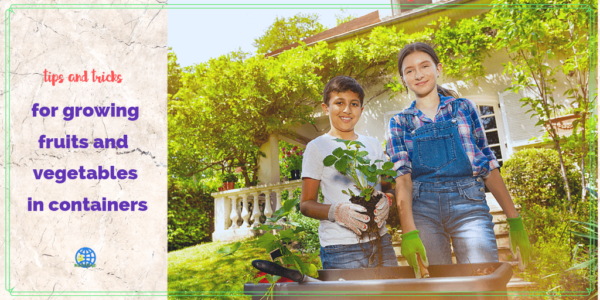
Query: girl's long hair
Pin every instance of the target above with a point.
(422, 47)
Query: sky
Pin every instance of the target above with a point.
(196, 35)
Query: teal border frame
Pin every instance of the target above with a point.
(7, 24)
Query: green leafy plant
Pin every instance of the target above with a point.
(293, 158)
(190, 213)
(229, 249)
(353, 163)
(286, 233)
(230, 177)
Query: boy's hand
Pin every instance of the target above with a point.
(382, 209)
(410, 246)
(347, 214)
(519, 242)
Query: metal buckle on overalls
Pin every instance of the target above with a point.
(453, 120)
(412, 132)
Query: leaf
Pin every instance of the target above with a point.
(363, 153)
(329, 160)
(341, 165)
(387, 166)
(338, 152)
(229, 249)
(266, 240)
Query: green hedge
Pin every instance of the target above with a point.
(533, 176)
(190, 214)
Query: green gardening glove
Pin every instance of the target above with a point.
(410, 246)
(519, 242)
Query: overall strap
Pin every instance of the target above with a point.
(409, 120)
(454, 105)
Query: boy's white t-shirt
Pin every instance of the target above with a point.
(333, 182)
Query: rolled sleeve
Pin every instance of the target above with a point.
(396, 147)
(480, 139)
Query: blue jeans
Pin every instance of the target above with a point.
(454, 212)
(352, 256)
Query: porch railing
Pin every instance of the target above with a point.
(238, 211)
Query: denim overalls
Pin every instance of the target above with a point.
(449, 204)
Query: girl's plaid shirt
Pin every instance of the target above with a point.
(400, 145)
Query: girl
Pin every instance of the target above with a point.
(341, 221)
(442, 158)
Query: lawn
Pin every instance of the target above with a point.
(198, 268)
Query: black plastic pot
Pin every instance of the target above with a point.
(295, 174)
(446, 282)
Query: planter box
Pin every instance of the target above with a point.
(446, 282)
(563, 124)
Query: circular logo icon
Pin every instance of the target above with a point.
(85, 257)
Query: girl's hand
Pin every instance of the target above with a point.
(411, 245)
(519, 242)
(382, 209)
(348, 215)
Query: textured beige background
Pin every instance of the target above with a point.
(131, 247)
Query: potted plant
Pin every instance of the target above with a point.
(293, 160)
(352, 162)
(229, 180)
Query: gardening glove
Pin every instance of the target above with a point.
(347, 214)
(410, 246)
(519, 242)
(382, 209)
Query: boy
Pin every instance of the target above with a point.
(342, 221)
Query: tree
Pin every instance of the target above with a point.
(284, 32)
(341, 18)
(230, 105)
(533, 37)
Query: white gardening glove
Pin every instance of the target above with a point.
(382, 209)
(347, 215)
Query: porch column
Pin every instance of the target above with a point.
(268, 166)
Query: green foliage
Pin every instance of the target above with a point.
(534, 40)
(230, 177)
(190, 213)
(284, 32)
(354, 164)
(286, 234)
(229, 249)
(309, 238)
(292, 158)
(174, 75)
(341, 18)
(531, 178)
(557, 244)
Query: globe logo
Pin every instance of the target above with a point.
(85, 257)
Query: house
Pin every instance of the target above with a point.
(507, 126)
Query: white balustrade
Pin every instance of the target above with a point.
(229, 210)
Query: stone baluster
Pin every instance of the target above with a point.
(256, 211)
(234, 212)
(245, 212)
(278, 204)
(268, 208)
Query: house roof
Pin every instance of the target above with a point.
(414, 19)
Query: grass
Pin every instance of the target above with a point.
(198, 268)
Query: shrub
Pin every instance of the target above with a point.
(190, 214)
(309, 242)
(533, 177)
